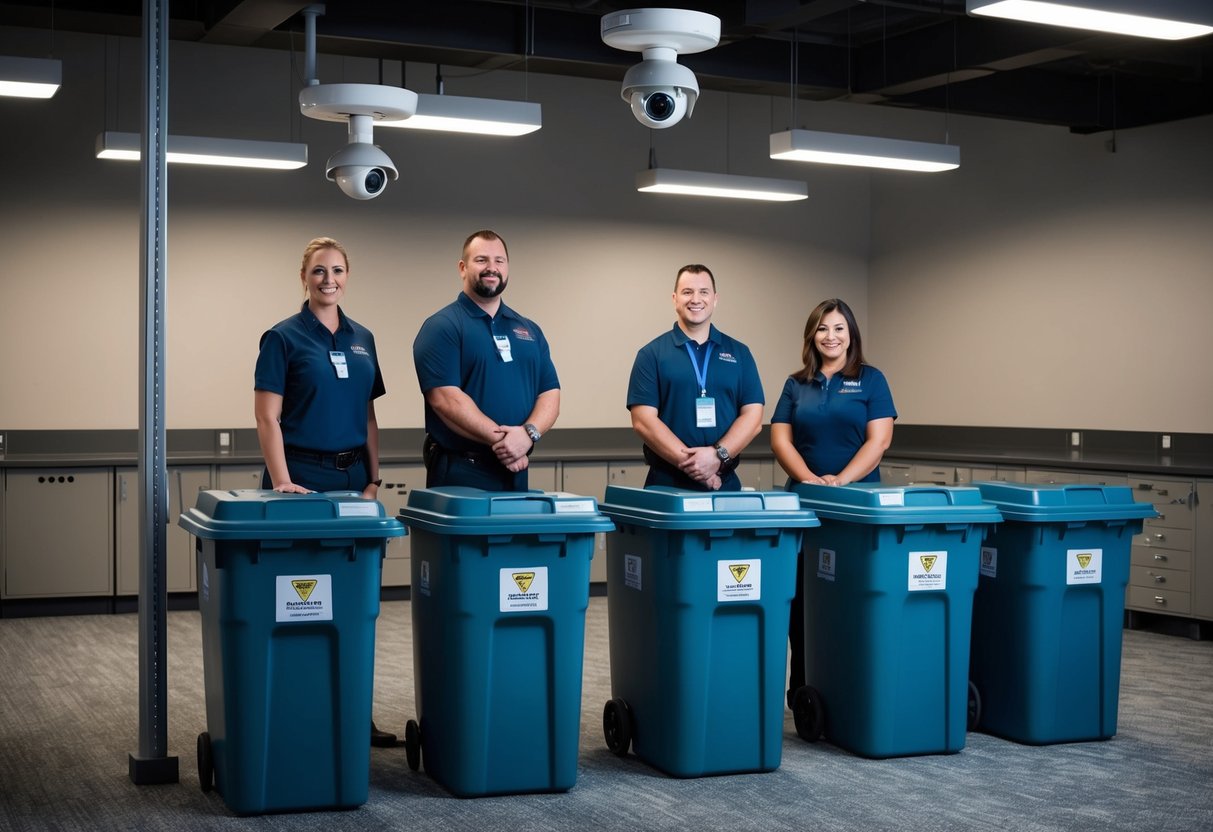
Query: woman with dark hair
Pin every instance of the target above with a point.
(833, 423)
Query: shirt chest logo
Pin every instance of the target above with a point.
(357, 349)
(851, 386)
(523, 334)
(726, 356)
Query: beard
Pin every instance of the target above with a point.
(486, 291)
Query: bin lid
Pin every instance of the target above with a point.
(875, 504)
(456, 509)
(1064, 502)
(254, 514)
(663, 507)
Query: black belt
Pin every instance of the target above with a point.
(432, 449)
(341, 460)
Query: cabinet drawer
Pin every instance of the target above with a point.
(1173, 516)
(1175, 580)
(1144, 555)
(933, 474)
(1166, 537)
(1159, 600)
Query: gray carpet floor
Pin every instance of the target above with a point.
(68, 721)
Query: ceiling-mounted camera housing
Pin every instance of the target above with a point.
(659, 89)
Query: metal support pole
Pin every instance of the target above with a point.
(152, 764)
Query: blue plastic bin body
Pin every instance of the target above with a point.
(1049, 610)
(699, 588)
(288, 590)
(499, 593)
(889, 579)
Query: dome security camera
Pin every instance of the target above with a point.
(659, 89)
(361, 169)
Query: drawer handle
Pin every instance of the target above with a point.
(1161, 492)
(1160, 579)
(1160, 558)
(1158, 599)
(1162, 517)
(1159, 536)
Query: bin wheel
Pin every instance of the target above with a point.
(974, 712)
(412, 744)
(206, 763)
(617, 726)
(808, 713)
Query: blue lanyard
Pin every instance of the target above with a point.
(701, 377)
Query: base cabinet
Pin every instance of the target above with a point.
(57, 537)
(184, 483)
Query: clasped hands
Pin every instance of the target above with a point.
(512, 447)
(702, 465)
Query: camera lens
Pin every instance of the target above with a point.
(659, 106)
(375, 180)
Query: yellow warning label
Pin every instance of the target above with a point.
(928, 561)
(523, 579)
(304, 588)
(739, 571)
(1084, 560)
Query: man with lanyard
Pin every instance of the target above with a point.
(695, 395)
(486, 372)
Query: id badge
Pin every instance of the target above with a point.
(705, 412)
(503, 347)
(338, 359)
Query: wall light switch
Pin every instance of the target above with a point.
(1075, 438)
(225, 439)
(1, 443)
(1166, 441)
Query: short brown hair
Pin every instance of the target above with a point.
(695, 268)
(484, 234)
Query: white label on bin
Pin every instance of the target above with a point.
(928, 570)
(989, 561)
(825, 564)
(358, 508)
(631, 571)
(891, 498)
(524, 590)
(738, 580)
(697, 504)
(304, 598)
(1084, 566)
(568, 506)
(424, 569)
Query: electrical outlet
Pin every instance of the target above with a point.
(1075, 439)
(223, 439)
(1, 443)
(1166, 441)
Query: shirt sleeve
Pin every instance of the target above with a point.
(785, 409)
(270, 372)
(548, 380)
(377, 387)
(642, 385)
(880, 401)
(751, 382)
(436, 354)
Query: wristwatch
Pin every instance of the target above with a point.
(723, 453)
(532, 432)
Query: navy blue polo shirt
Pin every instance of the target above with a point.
(663, 377)
(320, 411)
(829, 417)
(455, 348)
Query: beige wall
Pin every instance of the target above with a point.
(1035, 219)
(1051, 283)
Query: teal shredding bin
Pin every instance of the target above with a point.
(699, 589)
(500, 588)
(288, 590)
(1049, 609)
(889, 579)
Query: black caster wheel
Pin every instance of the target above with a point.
(206, 763)
(808, 713)
(412, 744)
(974, 713)
(617, 726)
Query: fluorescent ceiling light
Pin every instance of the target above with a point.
(1163, 19)
(863, 151)
(460, 114)
(697, 183)
(201, 150)
(30, 77)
